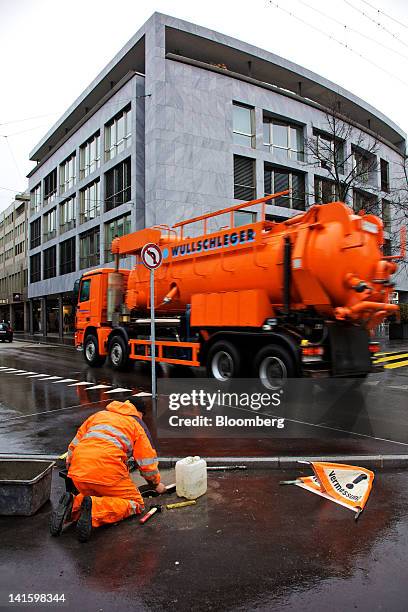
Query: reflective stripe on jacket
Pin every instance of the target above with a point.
(106, 440)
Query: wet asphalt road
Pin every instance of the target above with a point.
(40, 414)
(248, 544)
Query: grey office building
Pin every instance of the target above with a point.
(183, 121)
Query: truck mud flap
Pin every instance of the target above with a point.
(349, 350)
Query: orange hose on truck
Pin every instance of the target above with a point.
(293, 294)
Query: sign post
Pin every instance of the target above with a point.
(152, 258)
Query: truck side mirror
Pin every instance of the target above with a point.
(76, 289)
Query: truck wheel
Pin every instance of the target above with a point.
(118, 353)
(223, 361)
(272, 365)
(91, 352)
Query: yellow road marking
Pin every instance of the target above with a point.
(390, 353)
(392, 358)
(399, 364)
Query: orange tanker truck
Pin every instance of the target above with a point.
(272, 300)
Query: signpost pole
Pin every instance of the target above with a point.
(152, 334)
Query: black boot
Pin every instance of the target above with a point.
(84, 524)
(61, 514)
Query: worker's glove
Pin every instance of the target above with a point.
(161, 488)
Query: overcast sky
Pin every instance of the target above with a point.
(52, 49)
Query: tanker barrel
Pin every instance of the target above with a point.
(287, 273)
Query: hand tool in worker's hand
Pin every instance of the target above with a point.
(148, 491)
(150, 513)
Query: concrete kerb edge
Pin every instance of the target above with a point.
(256, 463)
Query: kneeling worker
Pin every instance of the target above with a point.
(97, 464)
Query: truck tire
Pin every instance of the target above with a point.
(118, 353)
(274, 364)
(91, 352)
(223, 361)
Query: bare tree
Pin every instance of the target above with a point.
(347, 167)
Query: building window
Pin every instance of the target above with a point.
(283, 136)
(35, 198)
(329, 151)
(276, 180)
(67, 214)
(89, 249)
(89, 202)
(325, 190)
(364, 165)
(50, 225)
(364, 201)
(50, 187)
(50, 262)
(19, 248)
(243, 125)
(35, 268)
(67, 256)
(386, 215)
(118, 133)
(35, 233)
(385, 175)
(244, 178)
(117, 185)
(117, 227)
(90, 156)
(68, 173)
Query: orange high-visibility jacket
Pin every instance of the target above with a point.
(106, 440)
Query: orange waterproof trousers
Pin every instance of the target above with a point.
(110, 503)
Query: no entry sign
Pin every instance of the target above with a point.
(151, 256)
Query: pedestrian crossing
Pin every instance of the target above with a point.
(392, 360)
(73, 382)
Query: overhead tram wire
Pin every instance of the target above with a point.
(350, 29)
(345, 45)
(377, 23)
(381, 12)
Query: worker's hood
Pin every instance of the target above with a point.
(124, 408)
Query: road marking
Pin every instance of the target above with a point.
(81, 384)
(25, 373)
(119, 390)
(399, 364)
(142, 394)
(38, 375)
(402, 387)
(52, 377)
(371, 382)
(64, 380)
(10, 370)
(17, 372)
(99, 387)
(391, 358)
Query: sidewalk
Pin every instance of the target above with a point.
(39, 339)
(248, 544)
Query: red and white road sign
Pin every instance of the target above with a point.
(151, 256)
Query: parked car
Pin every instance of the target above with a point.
(6, 332)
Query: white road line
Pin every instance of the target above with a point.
(18, 371)
(64, 380)
(372, 382)
(142, 394)
(25, 373)
(38, 375)
(118, 390)
(99, 387)
(402, 387)
(52, 378)
(9, 370)
(80, 384)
